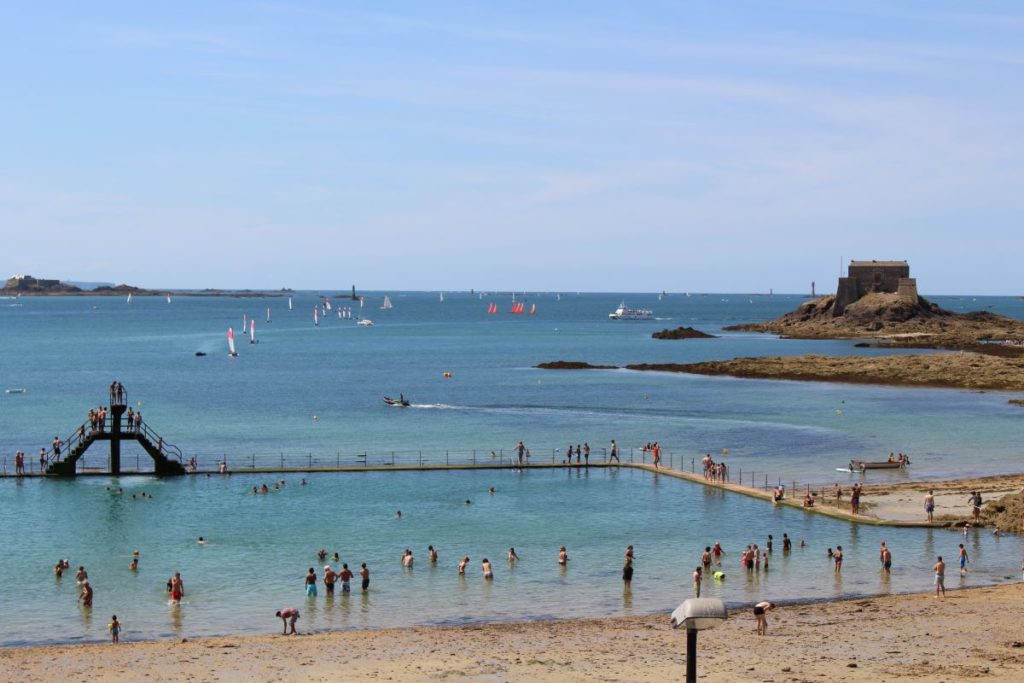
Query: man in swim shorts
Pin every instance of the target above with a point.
(929, 504)
(345, 576)
(330, 577)
(698, 575)
(311, 583)
(365, 574)
(940, 577)
(962, 556)
(177, 588)
(759, 615)
(289, 615)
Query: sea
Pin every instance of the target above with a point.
(310, 395)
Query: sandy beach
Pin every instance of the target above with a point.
(972, 633)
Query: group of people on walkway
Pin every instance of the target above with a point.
(714, 471)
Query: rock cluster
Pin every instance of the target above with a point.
(682, 333)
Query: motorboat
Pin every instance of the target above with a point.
(397, 402)
(623, 312)
(365, 322)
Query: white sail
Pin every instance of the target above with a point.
(168, 298)
(316, 316)
(289, 303)
(442, 297)
(245, 323)
(268, 314)
(386, 306)
(327, 305)
(252, 331)
(231, 343)
(129, 297)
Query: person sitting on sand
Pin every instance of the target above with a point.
(289, 615)
(808, 501)
(759, 615)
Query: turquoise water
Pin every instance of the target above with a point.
(260, 547)
(260, 407)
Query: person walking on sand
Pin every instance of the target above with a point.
(289, 615)
(115, 629)
(940, 577)
(975, 503)
(614, 454)
(929, 504)
(760, 610)
(962, 557)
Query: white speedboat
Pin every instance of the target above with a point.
(625, 313)
(365, 322)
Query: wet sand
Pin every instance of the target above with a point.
(973, 633)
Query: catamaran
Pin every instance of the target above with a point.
(231, 343)
(386, 306)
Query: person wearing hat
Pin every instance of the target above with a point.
(329, 578)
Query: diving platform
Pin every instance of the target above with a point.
(113, 428)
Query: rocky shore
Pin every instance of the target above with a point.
(682, 333)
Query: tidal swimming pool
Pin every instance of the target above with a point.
(259, 547)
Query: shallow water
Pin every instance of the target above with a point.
(261, 406)
(259, 548)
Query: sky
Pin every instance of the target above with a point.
(539, 146)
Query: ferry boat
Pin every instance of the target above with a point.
(625, 313)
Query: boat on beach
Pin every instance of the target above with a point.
(863, 465)
(623, 312)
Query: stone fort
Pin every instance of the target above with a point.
(865, 277)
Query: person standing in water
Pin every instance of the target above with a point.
(512, 557)
(627, 573)
(115, 629)
(462, 565)
(563, 557)
(85, 597)
(365, 574)
(485, 566)
(178, 588)
(311, 583)
(698, 575)
(940, 577)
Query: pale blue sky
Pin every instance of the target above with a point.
(609, 146)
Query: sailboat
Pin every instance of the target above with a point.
(558, 297)
(442, 297)
(268, 314)
(245, 323)
(168, 298)
(327, 305)
(316, 316)
(289, 303)
(386, 306)
(533, 309)
(231, 343)
(252, 331)
(492, 308)
(129, 297)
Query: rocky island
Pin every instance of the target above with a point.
(682, 333)
(26, 285)
(878, 300)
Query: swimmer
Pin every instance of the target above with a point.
(289, 615)
(563, 557)
(134, 565)
(485, 566)
(407, 558)
(462, 565)
(115, 629)
(302, 482)
(321, 554)
(468, 502)
(512, 557)
(335, 557)
(491, 490)
(81, 576)
(85, 597)
(58, 569)
(201, 540)
(718, 576)
(398, 514)
(431, 554)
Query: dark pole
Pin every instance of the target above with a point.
(691, 655)
(117, 411)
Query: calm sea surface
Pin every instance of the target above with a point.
(314, 394)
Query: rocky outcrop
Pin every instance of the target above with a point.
(889, 316)
(26, 284)
(1016, 402)
(956, 370)
(682, 333)
(574, 365)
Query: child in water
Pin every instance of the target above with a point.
(115, 629)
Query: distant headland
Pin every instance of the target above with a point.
(26, 285)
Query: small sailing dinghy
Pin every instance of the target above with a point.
(289, 303)
(386, 306)
(231, 343)
(316, 316)
(252, 331)
(129, 297)
(268, 314)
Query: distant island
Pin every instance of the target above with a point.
(879, 300)
(26, 285)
